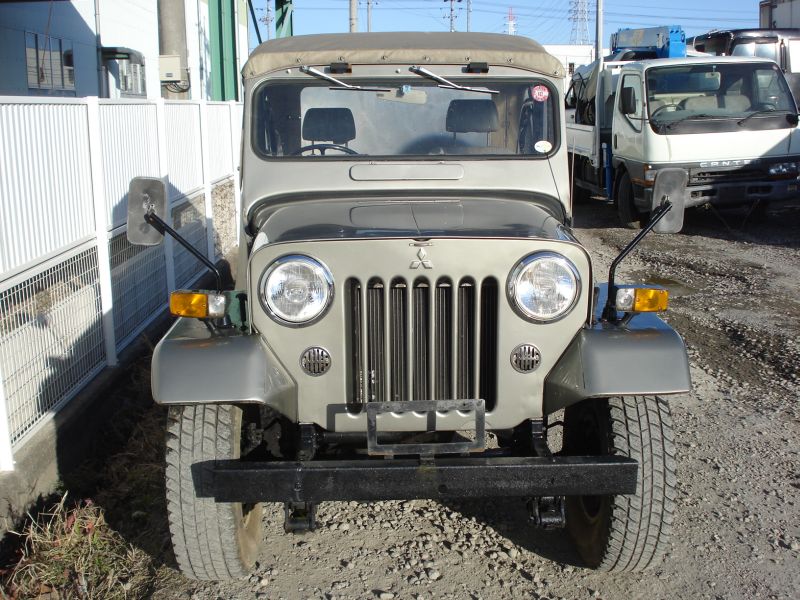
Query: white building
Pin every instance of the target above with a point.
(111, 48)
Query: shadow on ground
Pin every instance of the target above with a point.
(509, 517)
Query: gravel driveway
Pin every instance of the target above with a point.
(734, 298)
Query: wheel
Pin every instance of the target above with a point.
(629, 215)
(322, 148)
(580, 195)
(211, 540)
(625, 532)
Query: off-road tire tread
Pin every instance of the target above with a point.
(204, 532)
(640, 524)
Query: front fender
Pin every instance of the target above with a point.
(643, 357)
(194, 364)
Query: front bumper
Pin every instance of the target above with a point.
(408, 479)
(733, 194)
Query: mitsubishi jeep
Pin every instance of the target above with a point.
(412, 314)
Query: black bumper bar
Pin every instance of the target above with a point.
(407, 479)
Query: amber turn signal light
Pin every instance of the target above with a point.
(199, 305)
(642, 299)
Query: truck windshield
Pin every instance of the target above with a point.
(716, 97)
(414, 116)
(767, 49)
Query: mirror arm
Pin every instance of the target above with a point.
(610, 310)
(161, 226)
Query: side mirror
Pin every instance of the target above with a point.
(670, 185)
(628, 101)
(145, 195)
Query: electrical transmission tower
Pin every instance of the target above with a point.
(511, 22)
(579, 15)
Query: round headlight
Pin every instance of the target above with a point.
(544, 286)
(296, 289)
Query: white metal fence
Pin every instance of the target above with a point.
(73, 291)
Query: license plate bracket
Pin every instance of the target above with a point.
(476, 406)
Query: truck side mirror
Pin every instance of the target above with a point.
(628, 101)
(146, 195)
(670, 185)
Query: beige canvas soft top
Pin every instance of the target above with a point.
(402, 48)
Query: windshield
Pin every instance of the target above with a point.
(414, 116)
(720, 95)
(760, 49)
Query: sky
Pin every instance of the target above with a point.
(546, 21)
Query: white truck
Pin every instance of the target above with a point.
(729, 122)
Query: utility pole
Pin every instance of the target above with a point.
(452, 13)
(267, 18)
(369, 15)
(599, 116)
(353, 16)
(469, 14)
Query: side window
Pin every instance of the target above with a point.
(634, 84)
(49, 63)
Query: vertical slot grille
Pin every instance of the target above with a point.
(422, 340)
(420, 344)
(375, 342)
(488, 349)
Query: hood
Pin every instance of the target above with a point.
(474, 217)
(732, 145)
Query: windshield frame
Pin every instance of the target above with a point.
(399, 75)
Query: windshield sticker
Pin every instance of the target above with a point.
(540, 93)
(543, 146)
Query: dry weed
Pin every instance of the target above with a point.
(73, 553)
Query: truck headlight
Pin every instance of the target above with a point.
(783, 169)
(296, 289)
(544, 286)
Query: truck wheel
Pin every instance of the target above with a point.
(629, 215)
(580, 195)
(211, 540)
(625, 532)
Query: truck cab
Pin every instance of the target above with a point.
(779, 45)
(729, 122)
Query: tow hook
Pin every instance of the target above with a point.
(547, 512)
(299, 517)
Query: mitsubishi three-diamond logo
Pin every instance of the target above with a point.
(423, 260)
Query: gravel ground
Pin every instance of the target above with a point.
(737, 524)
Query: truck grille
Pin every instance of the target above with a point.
(709, 176)
(422, 340)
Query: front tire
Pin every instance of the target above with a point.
(211, 540)
(629, 215)
(625, 532)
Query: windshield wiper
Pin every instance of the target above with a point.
(761, 112)
(446, 83)
(687, 117)
(340, 85)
